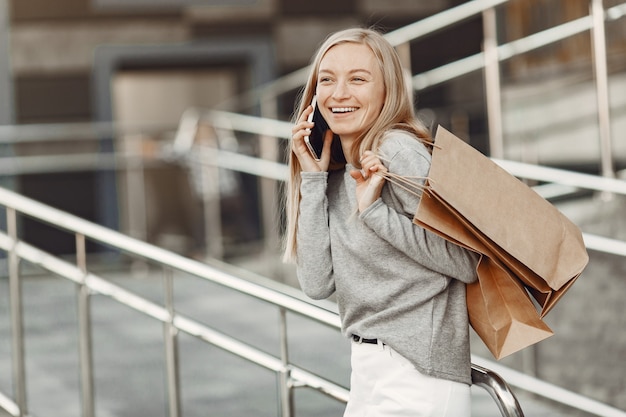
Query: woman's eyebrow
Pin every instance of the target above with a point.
(352, 71)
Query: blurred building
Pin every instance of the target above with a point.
(145, 61)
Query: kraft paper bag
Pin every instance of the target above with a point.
(525, 242)
(499, 308)
(502, 314)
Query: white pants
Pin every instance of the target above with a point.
(384, 384)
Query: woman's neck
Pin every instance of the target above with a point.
(346, 146)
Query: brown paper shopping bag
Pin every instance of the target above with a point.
(507, 211)
(500, 310)
(525, 242)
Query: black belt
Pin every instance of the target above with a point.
(359, 339)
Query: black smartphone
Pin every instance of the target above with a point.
(315, 141)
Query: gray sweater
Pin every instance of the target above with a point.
(394, 281)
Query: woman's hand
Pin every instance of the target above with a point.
(369, 184)
(300, 149)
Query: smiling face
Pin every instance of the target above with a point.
(350, 90)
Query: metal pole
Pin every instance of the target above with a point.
(492, 83)
(85, 350)
(6, 86)
(211, 202)
(602, 86)
(269, 198)
(404, 53)
(17, 323)
(7, 112)
(136, 190)
(171, 347)
(499, 391)
(286, 391)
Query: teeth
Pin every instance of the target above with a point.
(343, 109)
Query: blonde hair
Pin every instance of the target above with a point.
(397, 113)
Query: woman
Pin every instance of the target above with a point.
(400, 289)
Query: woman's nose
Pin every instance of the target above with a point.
(341, 91)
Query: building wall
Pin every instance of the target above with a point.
(549, 95)
(52, 52)
(524, 18)
(52, 48)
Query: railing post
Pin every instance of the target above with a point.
(596, 9)
(135, 187)
(7, 96)
(17, 323)
(286, 391)
(208, 178)
(492, 83)
(270, 151)
(84, 332)
(170, 333)
(404, 52)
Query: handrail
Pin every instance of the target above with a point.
(397, 37)
(248, 283)
(547, 390)
(84, 131)
(278, 171)
(441, 20)
(279, 129)
(152, 253)
(510, 50)
(489, 60)
(426, 27)
(261, 288)
(9, 405)
(493, 383)
(244, 123)
(101, 286)
(561, 176)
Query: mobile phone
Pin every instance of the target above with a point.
(315, 140)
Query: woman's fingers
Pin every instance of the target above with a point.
(371, 163)
(368, 185)
(358, 176)
(299, 148)
(328, 140)
(303, 124)
(299, 130)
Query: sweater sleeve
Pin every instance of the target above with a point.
(391, 217)
(313, 255)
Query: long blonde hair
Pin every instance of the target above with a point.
(397, 113)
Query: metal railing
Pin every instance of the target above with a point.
(285, 298)
(291, 376)
(559, 177)
(183, 145)
(193, 118)
(266, 96)
(489, 61)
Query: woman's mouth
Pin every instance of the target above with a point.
(343, 109)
